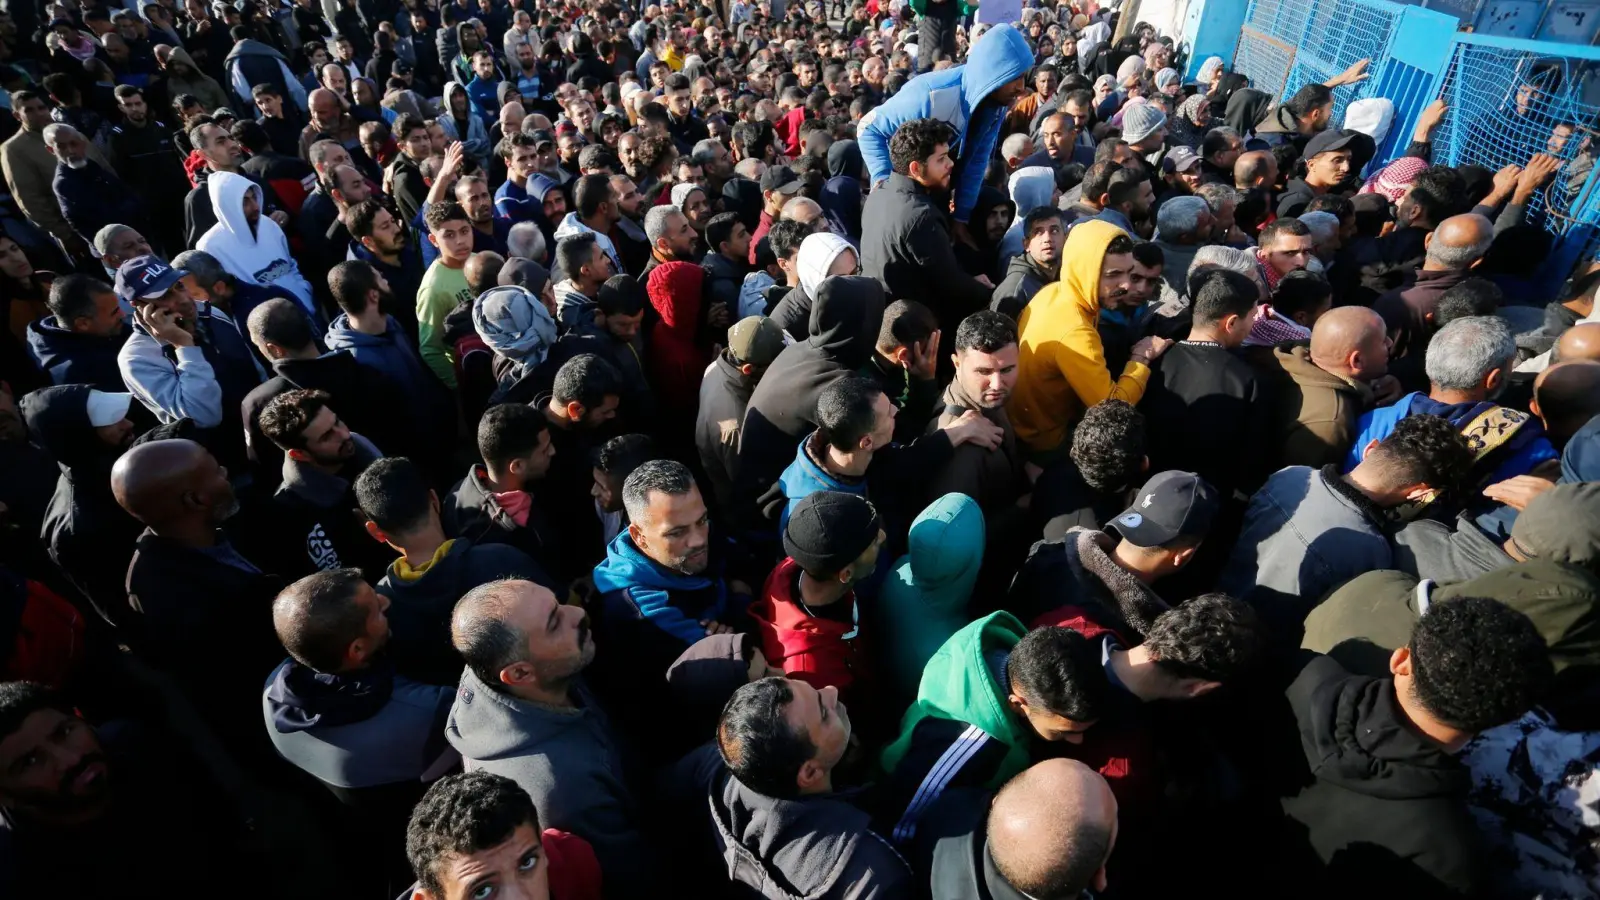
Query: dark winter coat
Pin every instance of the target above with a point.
(1384, 805)
(906, 245)
(724, 394)
(783, 408)
(72, 358)
(1024, 278)
(420, 605)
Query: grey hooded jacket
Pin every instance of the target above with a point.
(569, 762)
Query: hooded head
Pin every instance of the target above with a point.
(453, 89)
(845, 160)
(993, 209)
(742, 197)
(513, 321)
(237, 201)
(945, 551)
(998, 58)
(1031, 188)
(846, 314)
(818, 252)
(1081, 261)
(62, 420)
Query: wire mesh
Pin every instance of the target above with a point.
(1265, 59)
(1507, 104)
(1338, 35)
(1282, 19)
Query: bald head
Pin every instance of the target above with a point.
(482, 270)
(1566, 396)
(1581, 341)
(1255, 169)
(804, 210)
(1350, 341)
(154, 482)
(1459, 242)
(1051, 829)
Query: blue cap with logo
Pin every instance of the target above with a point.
(145, 278)
(1170, 506)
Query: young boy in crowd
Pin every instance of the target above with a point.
(444, 286)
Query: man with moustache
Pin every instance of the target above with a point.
(524, 711)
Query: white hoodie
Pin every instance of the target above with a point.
(259, 257)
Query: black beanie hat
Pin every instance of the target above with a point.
(829, 530)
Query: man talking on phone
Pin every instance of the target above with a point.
(184, 360)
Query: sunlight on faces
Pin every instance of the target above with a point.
(697, 209)
(1045, 242)
(387, 238)
(1143, 284)
(559, 642)
(1116, 279)
(1057, 134)
(988, 378)
(515, 869)
(1328, 168)
(416, 144)
(474, 197)
(524, 162)
(675, 531)
(935, 172)
(453, 238)
(1290, 252)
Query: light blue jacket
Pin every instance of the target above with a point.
(953, 96)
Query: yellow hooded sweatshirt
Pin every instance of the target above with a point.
(1062, 366)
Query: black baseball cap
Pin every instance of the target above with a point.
(781, 179)
(1329, 141)
(1170, 506)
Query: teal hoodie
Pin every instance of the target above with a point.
(924, 599)
(957, 685)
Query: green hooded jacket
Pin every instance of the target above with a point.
(920, 7)
(957, 685)
(924, 599)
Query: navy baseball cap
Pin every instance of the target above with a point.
(1170, 506)
(144, 278)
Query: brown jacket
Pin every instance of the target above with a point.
(1315, 419)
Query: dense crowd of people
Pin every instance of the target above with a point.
(492, 448)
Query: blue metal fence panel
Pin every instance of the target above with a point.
(1287, 44)
(1510, 98)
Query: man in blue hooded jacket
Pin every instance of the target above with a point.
(973, 99)
(659, 590)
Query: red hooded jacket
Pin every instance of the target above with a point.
(810, 648)
(673, 354)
